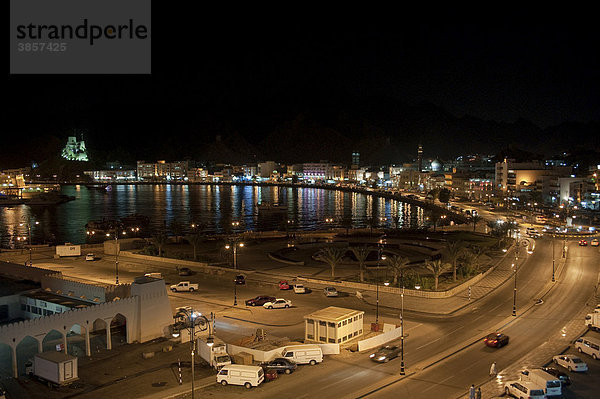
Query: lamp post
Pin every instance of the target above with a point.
(379, 257)
(116, 253)
(191, 320)
(553, 280)
(377, 284)
(29, 234)
(402, 331)
(234, 244)
(514, 311)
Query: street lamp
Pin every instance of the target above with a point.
(379, 257)
(515, 265)
(234, 244)
(29, 233)
(117, 253)
(193, 319)
(402, 330)
(553, 280)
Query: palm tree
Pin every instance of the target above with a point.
(476, 219)
(396, 219)
(332, 256)
(195, 238)
(437, 268)
(470, 258)
(372, 223)
(160, 240)
(454, 250)
(361, 254)
(511, 226)
(177, 229)
(397, 263)
(347, 223)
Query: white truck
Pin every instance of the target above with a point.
(54, 368)
(68, 250)
(216, 355)
(592, 321)
(184, 286)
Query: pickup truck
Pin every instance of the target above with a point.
(183, 286)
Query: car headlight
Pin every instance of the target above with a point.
(381, 358)
(372, 355)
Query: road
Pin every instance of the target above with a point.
(531, 329)
(427, 336)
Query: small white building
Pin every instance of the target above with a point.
(333, 325)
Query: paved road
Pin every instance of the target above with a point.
(428, 336)
(529, 331)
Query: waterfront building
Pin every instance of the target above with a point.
(195, 175)
(317, 171)
(265, 169)
(529, 179)
(112, 175)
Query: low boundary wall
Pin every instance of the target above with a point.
(379, 340)
(258, 355)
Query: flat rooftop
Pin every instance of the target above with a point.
(68, 301)
(333, 313)
(10, 286)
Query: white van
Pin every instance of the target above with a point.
(524, 389)
(239, 374)
(589, 346)
(551, 384)
(304, 354)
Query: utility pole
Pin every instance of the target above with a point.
(402, 331)
(553, 280)
(514, 311)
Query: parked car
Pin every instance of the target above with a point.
(385, 353)
(299, 289)
(259, 300)
(240, 279)
(278, 303)
(570, 362)
(282, 365)
(185, 271)
(270, 374)
(284, 285)
(90, 257)
(563, 377)
(330, 291)
(496, 340)
(594, 242)
(589, 346)
(582, 243)
(524, 389)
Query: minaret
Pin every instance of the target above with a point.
(420, 158)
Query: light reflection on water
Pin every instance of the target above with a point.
(212, 205)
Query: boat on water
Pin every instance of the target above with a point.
(10, 201)
(134, 225)
(49, 198)
(270, 207)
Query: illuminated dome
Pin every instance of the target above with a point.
(436, 165)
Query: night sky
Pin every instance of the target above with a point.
(249, 77)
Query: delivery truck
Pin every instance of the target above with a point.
(54, 368)
(68, 250)
(216, 355)
(592, 321)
